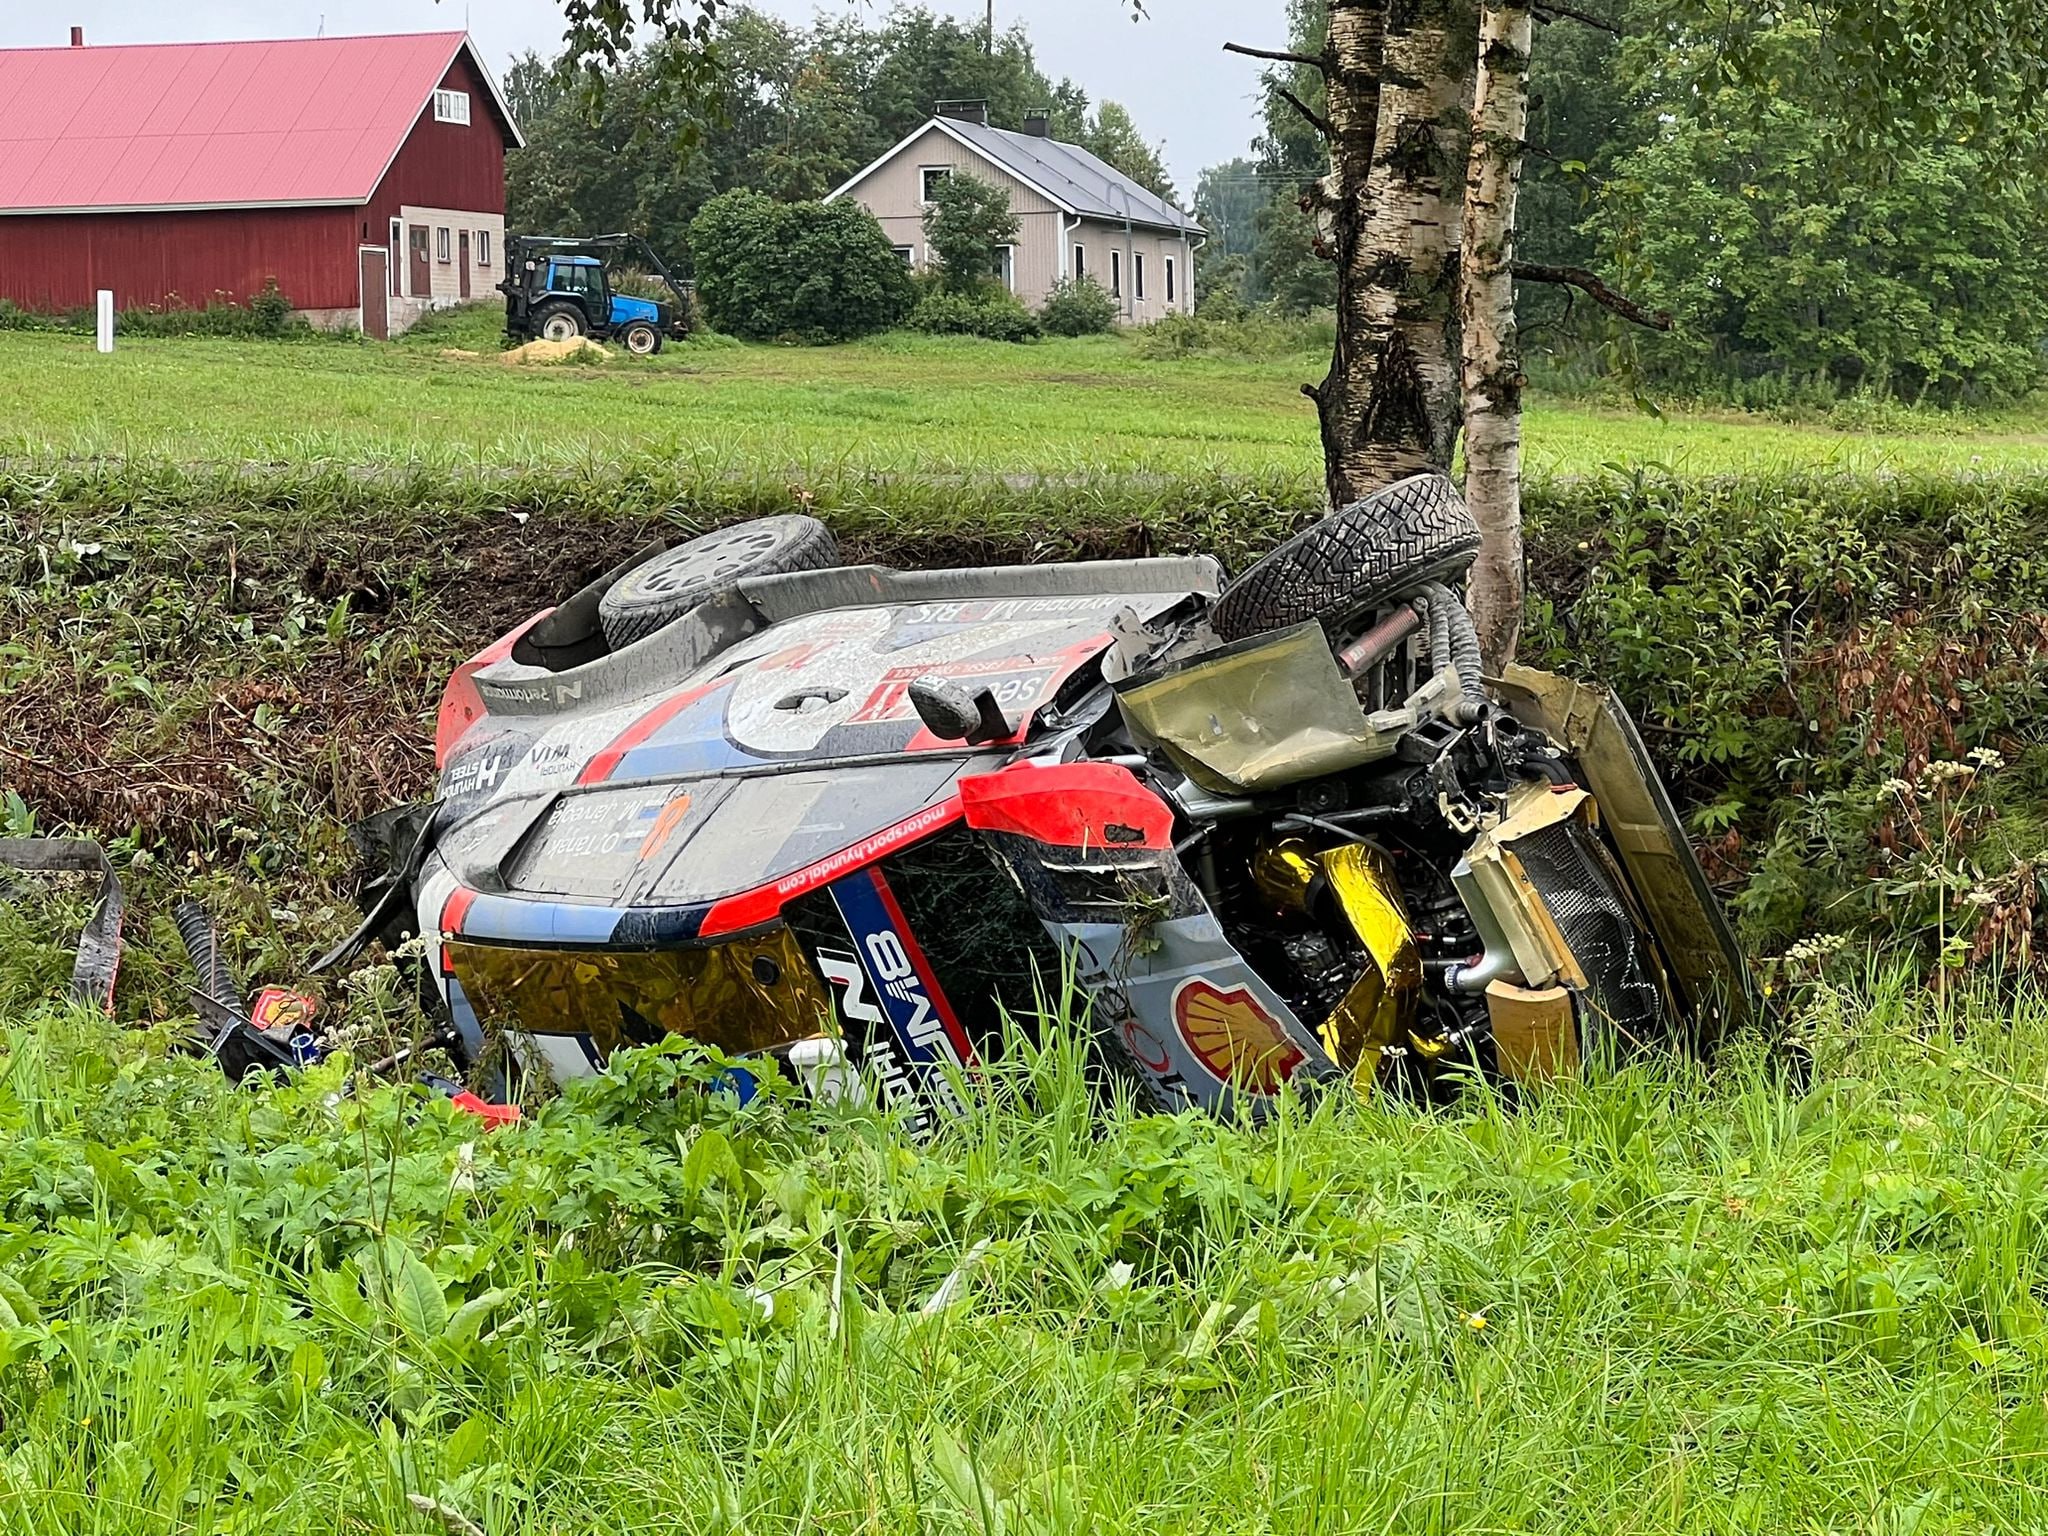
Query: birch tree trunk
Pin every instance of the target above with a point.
(1390, 405)
(1491, 356)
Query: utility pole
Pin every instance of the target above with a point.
(989, 45)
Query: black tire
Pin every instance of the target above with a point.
(562, 316)
(665, 588)
(641, 339)
(1353, 561)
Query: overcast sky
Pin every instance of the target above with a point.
(1168, 69)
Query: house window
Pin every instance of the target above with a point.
(1006, 266)
(932, 176)
(1116, 274)
(1169, 279)
(1138, 274)
(397, 259)
(1080, 262)
(909, 255)
(441, 243)
(483, 248)
(451, 107)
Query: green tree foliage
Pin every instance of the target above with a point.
(967, 225)
(1785, 250)
(815, 272)
(1286, 269)
(629, 130)
(986, 310)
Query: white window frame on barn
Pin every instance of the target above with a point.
(451, 107)
(483, 247)
(925, 173)
(441, 245)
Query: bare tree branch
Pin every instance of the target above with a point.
(1279, 56)
(1550, 10)
(1320, 123)
(1590, 284)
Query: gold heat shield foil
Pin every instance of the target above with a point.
(747, 996)
(1256, 715)
(1379, 1008)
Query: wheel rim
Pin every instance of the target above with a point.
(560, 328)
(640, 340)
(715, 557)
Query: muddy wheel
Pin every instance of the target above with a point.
(665, 588)
(1353, 561)
(558, 322)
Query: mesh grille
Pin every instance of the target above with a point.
(1577, 885)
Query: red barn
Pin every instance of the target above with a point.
(365, 175)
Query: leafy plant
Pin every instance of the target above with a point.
(812, 272)
(1078, 307)
(987, 311)
(967, 225)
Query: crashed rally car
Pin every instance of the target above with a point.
(846, 819)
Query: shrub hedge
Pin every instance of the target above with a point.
(811, 272)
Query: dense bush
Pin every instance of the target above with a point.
(812, 272)
(266, 316)
(1078, 307)
(988, 311)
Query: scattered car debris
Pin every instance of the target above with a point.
(848, 819)
(98, 962)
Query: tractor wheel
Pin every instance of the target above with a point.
(662, 590)
(1354, 560)
(641, 339)
(558, 322)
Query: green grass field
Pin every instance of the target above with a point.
(899, 405)
(1661, 1302)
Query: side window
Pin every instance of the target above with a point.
(932, 177)
(441, 243)
(451, 106)
(483, 247)
(909, 255)
(397, 257)
(1116, 274)
(1169, 279)
(1080, 262)
(1138, 274)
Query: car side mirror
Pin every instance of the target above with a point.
(951, 713)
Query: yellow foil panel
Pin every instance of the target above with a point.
(742, 997)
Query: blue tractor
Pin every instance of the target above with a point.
(559, 287)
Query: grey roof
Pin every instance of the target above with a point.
(1073, 176)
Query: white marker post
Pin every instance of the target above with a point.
(106, 331)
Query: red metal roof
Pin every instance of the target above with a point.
(215, 125)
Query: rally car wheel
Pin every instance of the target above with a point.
(642, 339)
(1355, 560)
(665, 588)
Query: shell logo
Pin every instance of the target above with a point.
(1233, 1035)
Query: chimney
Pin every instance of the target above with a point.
(965, 111)
(78, 37)
(1039, 124)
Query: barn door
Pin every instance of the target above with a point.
(376, 307)
(420, 282)
(462, 263)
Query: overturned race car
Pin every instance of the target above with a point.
(848, 820)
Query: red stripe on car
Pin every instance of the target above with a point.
(606, 763)
(763, 904)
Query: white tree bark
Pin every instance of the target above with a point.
(1491, 371)
(1390, 406)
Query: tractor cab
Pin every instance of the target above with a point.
(556, 289)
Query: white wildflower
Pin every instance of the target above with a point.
(1986, 758)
